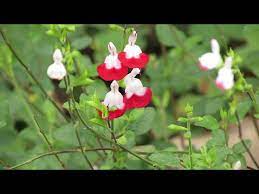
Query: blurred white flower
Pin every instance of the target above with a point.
(237, 165)
(212, 59)
(225, 78)
(57, 69)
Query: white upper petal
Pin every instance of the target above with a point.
(57, 56)
(112, 61)
(132, 51)
(133, 85)
(210, 60)
(114, 97)
(215, 46)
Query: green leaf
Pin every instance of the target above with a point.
(116, 27)
(144, 123)
(176, 128)
(165, 159)
(251, 32)
(169, 35)
(208, 122)
(82, 80)
(136, 114)
(2, 124)
(98, 121)
(81, 42)
(218, 138)
(239, 148)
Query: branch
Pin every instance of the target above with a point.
(241, 139)
(54, 153)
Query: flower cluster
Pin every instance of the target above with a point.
(212, 60)
(116, 67)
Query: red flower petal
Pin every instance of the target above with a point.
(111, 74)
(134, 62)
(116, 113)
(136, 101)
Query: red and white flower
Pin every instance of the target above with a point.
(132, 56)
(112, 68)
(136, 96)
(57, 70)
(115, 102)
(212, 59)
(225, 78)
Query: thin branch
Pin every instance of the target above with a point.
(243, 142)
(49, 143)
(110, 141)
(55, 152)
(29, 72)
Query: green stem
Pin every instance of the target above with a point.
(29, 72)
(190, 145)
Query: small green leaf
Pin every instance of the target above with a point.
(82, 80)
(182, 119)
(177, 128)
(208, 122)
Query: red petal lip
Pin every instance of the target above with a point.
(111, 74)
(116, 113)
(136, 101)
(133, 62)
(220, 86)
(203, 68)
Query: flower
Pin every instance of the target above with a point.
(112, 68)
(136, 96)
(237, 165)
(114, 100)
(212, 59)
(225, 78)
(132, 56)
(57, 70)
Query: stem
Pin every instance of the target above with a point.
(110, 141)
(56, 152)
(29, 72)
(190, 144)
(241, 139)
(255, 124)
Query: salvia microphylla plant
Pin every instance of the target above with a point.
(109, 126)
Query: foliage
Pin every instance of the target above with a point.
(185, 99)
